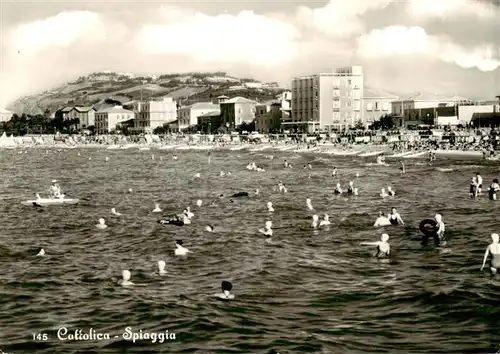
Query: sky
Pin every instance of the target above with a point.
(449, 47)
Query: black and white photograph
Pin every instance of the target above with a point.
(249, 177)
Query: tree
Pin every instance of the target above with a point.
(386, 122)
(246, 126)
(359, 125)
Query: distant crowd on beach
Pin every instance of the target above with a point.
(484, 140)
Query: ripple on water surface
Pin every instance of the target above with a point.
(305, 292)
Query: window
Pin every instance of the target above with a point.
(348, 104)
(377, 106)
(356, 94)
(349, 82)
(349, 93)
(336, 93)
(336, 116)
(336, 104)
(357, 116)
(386, 106)
(357, 105)
(369, 106)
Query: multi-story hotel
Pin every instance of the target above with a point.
(154, 113)
(327, 101)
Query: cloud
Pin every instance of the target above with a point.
(338, 17)
(453, 8)
(148, 37)
(400, 40)
(246, 37)
(61, 30)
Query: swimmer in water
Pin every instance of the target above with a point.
(479, 181)
(402, 168)
(309, 166)
(256, 191)
(270, 207)
(494, 250)
(494, 188)
(161, 268)
(350, 189)
(334, 172)
(209, 228)
(114, 212)
(383, 247)
(473, 187)
(180, 250)
(199, 202)
(382, 220)
(390, 191)
(285, 164)
(440, 228)
(314, 223)
(395, 218)
(338, 189)
(325, 221)
(309, 204)
(383, 194)
(41, 252)
(126, 278)
(102, 224)
(157, 208)
(226, 291)
(268, 232)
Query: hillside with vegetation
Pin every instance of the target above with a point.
(185, 87)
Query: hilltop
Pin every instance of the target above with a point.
(186, 87)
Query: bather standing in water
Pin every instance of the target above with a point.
(494, 250)
(402, 168)
(494, 189)
(383, 247)
(395, 218)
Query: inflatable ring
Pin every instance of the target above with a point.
(429, 229)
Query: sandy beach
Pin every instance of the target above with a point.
(195, 144)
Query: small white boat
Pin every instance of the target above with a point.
(50, 201)
(374, 153)
(113, 147)
(416, 155)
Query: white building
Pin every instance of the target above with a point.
(109, 119)
(376, 104)
(465, 113)
(327, 101)
(421, 100)
(5, 115)
(188, 116)
(154, 113)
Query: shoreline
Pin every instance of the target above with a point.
(355, 150)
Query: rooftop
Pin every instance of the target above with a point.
(210, 114)
(115, 109)
(203, 105)
(238, 100)
(424, 96)
(370, 92)
(84, 109)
